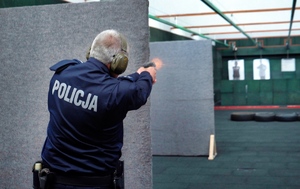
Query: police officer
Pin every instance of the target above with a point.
(87, 104)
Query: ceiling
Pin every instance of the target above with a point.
(225, 19)
(236, 19)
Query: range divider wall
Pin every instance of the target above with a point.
(182, 107)
(36, 37)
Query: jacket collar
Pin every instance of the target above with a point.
(100, 65)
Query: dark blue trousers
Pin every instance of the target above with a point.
(61, 186)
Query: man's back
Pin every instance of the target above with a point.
(87, 107)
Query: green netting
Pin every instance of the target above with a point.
(240, 86)
(293, 98)
(293, 85)
(253, 99)
(226, 99)
(226, 86)
(280, 98)
(266, 86)
(279, 85)
(253, 86)
(288, 75)
(266, 98)
(239, 99)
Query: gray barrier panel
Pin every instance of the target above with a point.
(182, 110)
(34, 38)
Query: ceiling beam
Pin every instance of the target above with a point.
(241, 24)
(253, 31)
(227, 12)
(184, 29)
(214, 8)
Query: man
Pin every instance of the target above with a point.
(236, 71)
(262, 70)
(87, 104)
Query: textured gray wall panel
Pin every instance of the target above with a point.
(182, 114)
(33, 39)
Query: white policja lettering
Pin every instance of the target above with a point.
(75, 97)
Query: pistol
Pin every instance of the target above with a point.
(149, 64)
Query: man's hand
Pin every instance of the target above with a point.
(151, 70)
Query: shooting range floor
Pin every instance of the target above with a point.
(250, 155)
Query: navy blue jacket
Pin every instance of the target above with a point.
(87, 107)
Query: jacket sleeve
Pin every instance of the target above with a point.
(138, 88)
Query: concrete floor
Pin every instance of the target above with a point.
(251, 155)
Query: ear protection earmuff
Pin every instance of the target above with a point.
(87, 55)
(120, 60)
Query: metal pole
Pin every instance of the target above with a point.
(208, 3)
(291, 23)
(184, 29)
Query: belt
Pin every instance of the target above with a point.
(84, 180)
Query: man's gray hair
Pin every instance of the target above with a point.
(106, 45)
